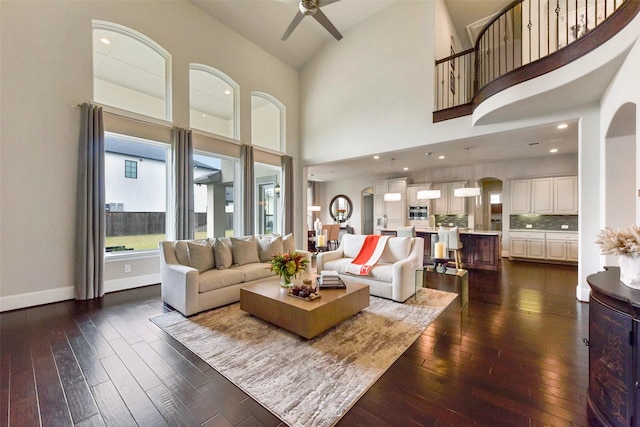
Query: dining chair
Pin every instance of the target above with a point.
(333, 235)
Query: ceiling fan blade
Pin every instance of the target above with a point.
(294, 23)
(323, 3)
(324, 21)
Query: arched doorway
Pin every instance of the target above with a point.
(621, 209)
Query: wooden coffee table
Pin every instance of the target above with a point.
(269, 301)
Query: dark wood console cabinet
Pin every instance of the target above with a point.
(614, 358)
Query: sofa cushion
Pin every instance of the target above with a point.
(217, 279)
(269, 246)
(182, 251)
(244, 250)
(397, 249)
(352, 244)
(339, 265)
(201, 255)
(288, 244)
(222, 253)
(382, 272)
(255, 271)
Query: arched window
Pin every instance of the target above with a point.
(213, 99)
(267, 121)
(130, 71)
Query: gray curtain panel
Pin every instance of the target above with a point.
(246, 160)
(287, 194)
(90, 212)
(183, 177)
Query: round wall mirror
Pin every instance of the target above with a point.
(340, 208)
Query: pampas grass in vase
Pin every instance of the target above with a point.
(625, 243)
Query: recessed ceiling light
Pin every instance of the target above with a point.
(441, 157)
(405, 168)
(553, 150)
(227, 92)
(376, 157)
(204, 115)
(105, 40)
(563, 126)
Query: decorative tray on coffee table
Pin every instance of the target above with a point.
(307, 293)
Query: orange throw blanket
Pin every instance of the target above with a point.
(369, 255)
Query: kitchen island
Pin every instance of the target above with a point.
(481, 249)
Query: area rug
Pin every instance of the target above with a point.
(306, 382)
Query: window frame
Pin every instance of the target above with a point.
(97, 24)
(283, 113)
(236, 99)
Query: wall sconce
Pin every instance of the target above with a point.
(276, 190)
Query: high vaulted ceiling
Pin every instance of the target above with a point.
(264, 21)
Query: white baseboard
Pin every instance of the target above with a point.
(31, 299)
(131, 282)
(14, 302)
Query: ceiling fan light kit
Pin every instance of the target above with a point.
(312, 8)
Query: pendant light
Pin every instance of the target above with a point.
(392, 197)
(428, 194)
(466, 191)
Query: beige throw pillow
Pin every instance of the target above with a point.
(222, 253)
(270, 246)
(182, 251)
(244, 251)
(201, 255)
(288, 244)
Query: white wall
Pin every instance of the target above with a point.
(41, 87)
(373, 91)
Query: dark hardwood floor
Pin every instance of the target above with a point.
(513, 356)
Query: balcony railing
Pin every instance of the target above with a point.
(522, 34)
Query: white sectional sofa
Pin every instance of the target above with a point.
(394, 275)
(199, 275)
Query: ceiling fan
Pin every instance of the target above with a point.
(312, 8)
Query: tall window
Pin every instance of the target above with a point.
(213, 177)
(268, 200)
(135, 209)
(213, 99)
(130, 71)
(267, 121)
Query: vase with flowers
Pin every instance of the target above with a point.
(625, 243)
(288, 265)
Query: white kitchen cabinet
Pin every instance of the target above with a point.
(412, 195)
(566, 195)
(562, 246)
(441, 205)
(380, 188)
(554, 195)
(523, 244)
(457, 205)
(542, 196)
(521, 196)
(396, 211)
(448, 204)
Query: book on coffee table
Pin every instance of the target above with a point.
(330, 279)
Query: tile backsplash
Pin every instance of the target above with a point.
(543, 222)
(461, 221)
